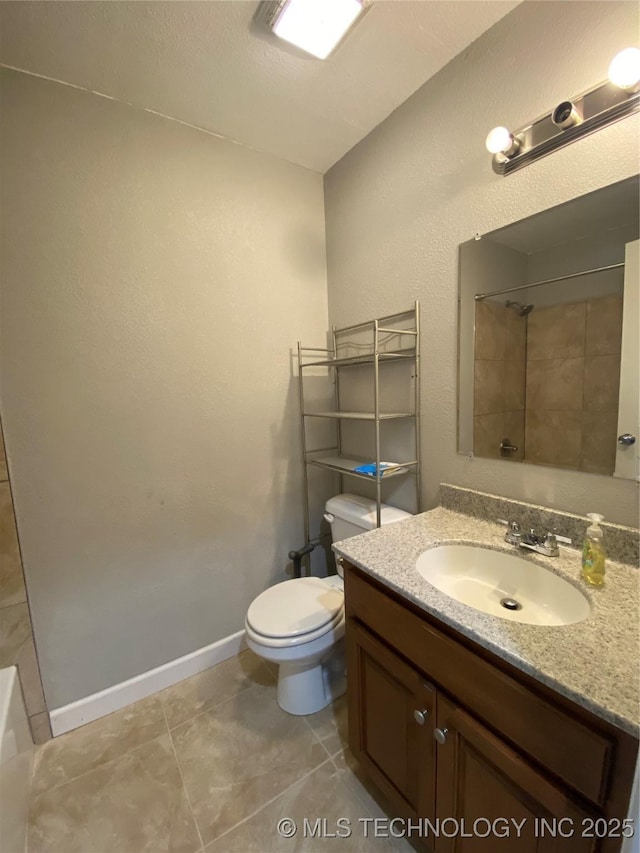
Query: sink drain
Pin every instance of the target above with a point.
(510, 604)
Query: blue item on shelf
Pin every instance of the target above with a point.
(370, 468)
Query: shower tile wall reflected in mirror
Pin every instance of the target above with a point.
(541, 381)
(548, 383)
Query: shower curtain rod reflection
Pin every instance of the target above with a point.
(479, 296)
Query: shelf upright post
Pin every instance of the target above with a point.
(336, 391)
(307, 521)
(418, 470)
(376, 397)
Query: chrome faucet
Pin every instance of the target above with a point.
(546, 544)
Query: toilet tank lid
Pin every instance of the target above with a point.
(362, 511)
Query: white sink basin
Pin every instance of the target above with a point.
(503, 585)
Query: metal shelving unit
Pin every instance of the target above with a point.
(391, 339)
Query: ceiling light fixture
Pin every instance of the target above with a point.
(315, 26)
(570, 120)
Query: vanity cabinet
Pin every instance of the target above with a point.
(444, 729)
(481, 779)
(393, 728)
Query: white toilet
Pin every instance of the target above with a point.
(299, 624)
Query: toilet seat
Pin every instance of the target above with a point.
(328, 634)
(295, 612)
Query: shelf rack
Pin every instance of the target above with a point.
(402, 332)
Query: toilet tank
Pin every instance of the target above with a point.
(350, 515)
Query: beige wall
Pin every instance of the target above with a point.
(590, 252)
(155, 280)
(400, 203)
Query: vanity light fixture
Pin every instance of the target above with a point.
(501, 141)
(624, 70)
(315, 26)
(609, 101)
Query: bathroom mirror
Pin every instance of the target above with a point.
(548, 337)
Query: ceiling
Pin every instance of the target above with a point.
(211, 65)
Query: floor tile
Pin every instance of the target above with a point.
(351, 775)
(12, 590)
(241, 754)
(29, 672)
(133, 804)
(374, 804)
(15, 773)
(40, 727)
(70, 755)
(330, 725)
(272, 667)
(15, 631)
(184, 700)
(322, 798)
(3, 459)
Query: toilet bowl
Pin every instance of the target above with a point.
(299, 624)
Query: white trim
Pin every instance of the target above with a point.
(118, 696)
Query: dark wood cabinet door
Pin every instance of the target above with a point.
(391, 723)
(486, 787)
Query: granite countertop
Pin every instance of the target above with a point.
(595, 662)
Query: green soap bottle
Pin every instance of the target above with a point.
(593, 553)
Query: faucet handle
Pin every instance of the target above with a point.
(513, 535)
(566, 540)
(533, 537)
(551, 545)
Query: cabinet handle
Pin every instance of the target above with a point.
(420, 716)
(441, 735)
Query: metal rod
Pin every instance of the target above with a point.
(479, 296)
(389, 474)
(316, 349)
(297, 556)
(364, 325)
(416, 422)
(336, 393)
(305, 475)
(362, 360)
(397, 331)
(376, 406)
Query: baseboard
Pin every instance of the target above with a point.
(118, 696)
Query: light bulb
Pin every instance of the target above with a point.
(501, 141)
(624, 70)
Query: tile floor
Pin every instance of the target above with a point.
(209, 765)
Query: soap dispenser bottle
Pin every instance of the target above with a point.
(593, 553)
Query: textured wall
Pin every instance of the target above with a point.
(399, 204)
(155, 281)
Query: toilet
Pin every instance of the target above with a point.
(299, 624)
